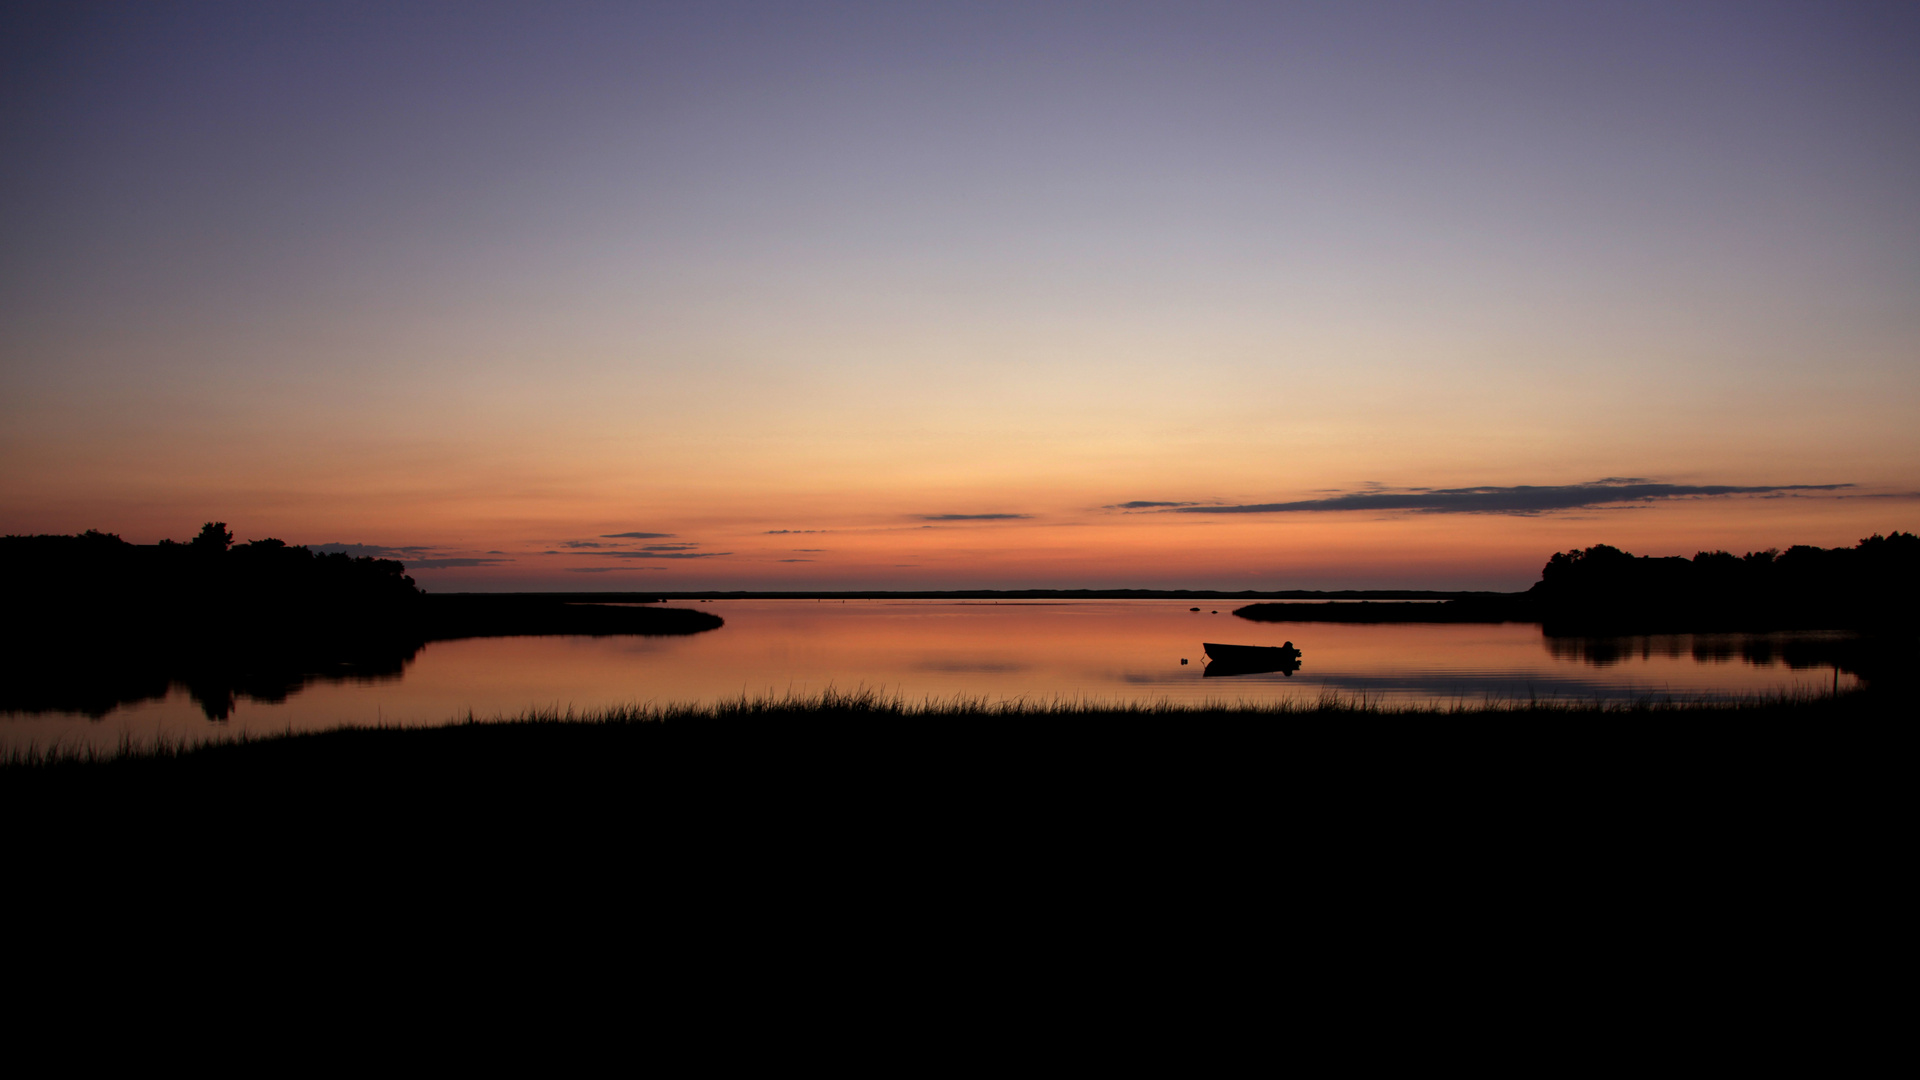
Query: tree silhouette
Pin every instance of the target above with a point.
(1873, 584)
(214, 537)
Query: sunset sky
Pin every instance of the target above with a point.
(790, 295)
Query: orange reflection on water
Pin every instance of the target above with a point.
(1124, 650)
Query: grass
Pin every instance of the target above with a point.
(864, 708)
(747, 804)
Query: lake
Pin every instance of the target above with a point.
(1105, 650)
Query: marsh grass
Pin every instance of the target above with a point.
(869, 708)
(779, 796)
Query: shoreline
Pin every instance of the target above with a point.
(1429, 595)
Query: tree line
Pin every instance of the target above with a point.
(96, 622)
(208, 585)
(1872, 585)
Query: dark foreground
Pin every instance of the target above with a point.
(1375, 859)
(814, 744)
(856, 803)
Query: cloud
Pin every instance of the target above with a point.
(377, 551)
(415, 557)
(811, 551)
(1523, 499)
(1144, 504)
(451, 564)
(608, 569)
(581, 543)
(651, 551)
(793, 532)
(796, 560)
(635, 536)
(972, 517)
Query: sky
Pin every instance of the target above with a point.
(970, 295)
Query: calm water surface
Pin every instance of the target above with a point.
(1112, 650)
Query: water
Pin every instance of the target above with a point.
(1110, 650)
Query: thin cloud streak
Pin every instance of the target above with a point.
(378, 551)
(973, 517)
(1522, 499)
(451, 564)
(651, 551)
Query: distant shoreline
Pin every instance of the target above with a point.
(999, 594)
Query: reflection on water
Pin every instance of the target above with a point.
(1798, 651)
(97, 683)
(1103, 650)
(1218, 668)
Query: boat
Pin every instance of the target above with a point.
(1251, 654)
(1250, 659)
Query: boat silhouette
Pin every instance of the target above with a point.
(1224, 660)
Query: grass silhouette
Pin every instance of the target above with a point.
(784, 717)
(860, 797)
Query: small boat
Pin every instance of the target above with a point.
(1250, 659)
(1251, 654)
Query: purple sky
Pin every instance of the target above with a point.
(478, 279)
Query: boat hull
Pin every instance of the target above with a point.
(1250, 653)
(1249, 659)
